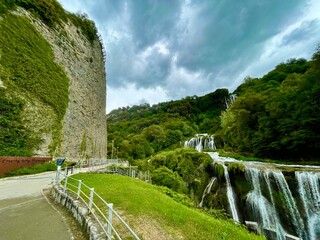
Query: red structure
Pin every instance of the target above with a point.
(10, 163)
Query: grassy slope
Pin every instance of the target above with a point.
(144, 201)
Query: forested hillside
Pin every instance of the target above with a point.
(140, 131)
(276, 116)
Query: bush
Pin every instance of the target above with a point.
(178, 197)
(49, 11)
(164, 176)
(38, 168)
(219, 170)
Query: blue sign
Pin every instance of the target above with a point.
(60, 161)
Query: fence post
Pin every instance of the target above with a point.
(79, 189)
(109, 229)
(57, 177)
(65, 183)
(91, 198)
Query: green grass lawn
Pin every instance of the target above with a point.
(147, 209)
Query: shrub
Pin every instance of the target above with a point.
(219, 170)
(38, 168)
(164, 176)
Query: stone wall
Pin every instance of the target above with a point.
(79, 212)
(84, 124)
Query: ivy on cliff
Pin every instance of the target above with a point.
(28, 67)
(15, 138)
(52, 14)
(30, 61)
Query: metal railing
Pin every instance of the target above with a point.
(108, 219)
(128, 171)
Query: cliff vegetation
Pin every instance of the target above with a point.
(34, 88)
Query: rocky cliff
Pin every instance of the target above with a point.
(76, 129)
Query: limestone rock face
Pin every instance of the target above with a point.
(84, 124)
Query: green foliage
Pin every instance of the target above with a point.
(38, 168)
(192, 167)
(277, 116)
(15, 138)
(30, 67)
(236, 168)
(49, 11)
(219, 171)
(164, 126)
(30, 61)
(164, 176)
(189, 108)
(6, 5)
(52, 14)
(86, 25)
(178, 197)
(217, 213)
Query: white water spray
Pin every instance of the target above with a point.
(207, 190)
(309, 191)
(230, 195)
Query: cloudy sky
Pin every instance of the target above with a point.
(160, 50)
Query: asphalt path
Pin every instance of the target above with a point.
(25, 212)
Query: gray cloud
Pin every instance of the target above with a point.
(191, 47)
(224, 31)
(306, 30)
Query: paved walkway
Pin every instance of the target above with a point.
(25, 213)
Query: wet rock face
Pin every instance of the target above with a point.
(84, 124)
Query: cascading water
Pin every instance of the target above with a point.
(200, 142)
(272, 203)
(261, 207)
(279, 228)
(207, 189)
(309, 191)
(209, 143)
(290, 203)
(230, 195)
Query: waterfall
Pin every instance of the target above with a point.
(279, 228)
(230, 100)
(290, 203)
(200, 142)
(309, 191)
(207, 190)
(209, 143)
(271, 203)
(230, 195)
(261, 207)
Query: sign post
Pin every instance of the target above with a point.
(59, 163)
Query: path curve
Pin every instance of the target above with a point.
(25, 212)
